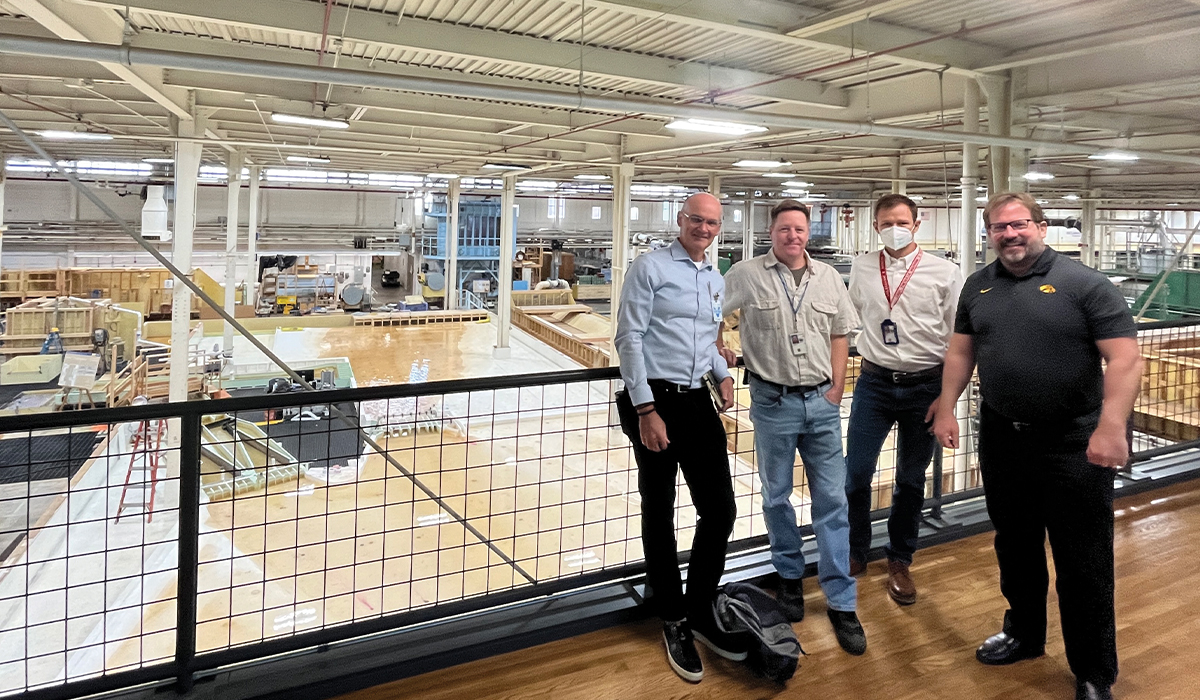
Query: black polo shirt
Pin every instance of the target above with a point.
(1035, 336)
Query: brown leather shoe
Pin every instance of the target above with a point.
(857, 566)
(900, 584)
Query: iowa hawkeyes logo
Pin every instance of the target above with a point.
(1047, 289)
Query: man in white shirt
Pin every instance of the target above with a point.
(906, 300)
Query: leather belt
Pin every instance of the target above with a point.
(784, 389)
(671, 386)
(901, 378)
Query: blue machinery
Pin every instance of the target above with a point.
(478, 242)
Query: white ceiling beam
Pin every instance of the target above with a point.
(771, 19)
(76, 22)
(836, 19)
(1089, 45)
(305, 19)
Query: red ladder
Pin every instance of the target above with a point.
(147, 442)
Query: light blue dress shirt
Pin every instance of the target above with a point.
(667, 324)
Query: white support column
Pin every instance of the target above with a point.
(187, 170)
(622, 179)
(967, 234)
(233, 189)
(714, 188)
(899, 175)
(451, 286)
(748, 230)
(251, 274)
(507, 241)
(1100, 240)
(3, 227)
(1088, 254)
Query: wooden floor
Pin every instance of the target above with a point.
(920, 652)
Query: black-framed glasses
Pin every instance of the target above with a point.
(1019, 225)
(700, 220)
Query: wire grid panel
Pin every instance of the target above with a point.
(88, 552)
(473, 493)
(1168, 407)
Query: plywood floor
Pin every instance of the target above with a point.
(920, 652)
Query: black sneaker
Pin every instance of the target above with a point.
(681, 651)
(849, 631)
(731, 646)
(790, 597)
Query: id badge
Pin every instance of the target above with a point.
(716, 309)
(798, 347)
(890, 335)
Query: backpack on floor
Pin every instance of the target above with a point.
(774, 649)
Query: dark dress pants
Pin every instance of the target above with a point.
(697, 447)
(1037, 481)
(879, 404)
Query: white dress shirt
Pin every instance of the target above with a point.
(924, 313)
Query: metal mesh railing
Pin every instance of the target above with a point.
(276, 525)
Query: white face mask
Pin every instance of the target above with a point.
(895, 237)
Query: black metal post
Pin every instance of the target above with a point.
(189, 549)
(936, 511)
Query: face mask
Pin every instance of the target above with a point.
(895, 237)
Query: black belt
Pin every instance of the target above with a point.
(901, 378)
(784, 389)
(671, 386)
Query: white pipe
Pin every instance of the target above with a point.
(748, 231)
(451, 284)
(233, 189)
(228, 65)
(507, 242)
(970, 180)
(251, 275)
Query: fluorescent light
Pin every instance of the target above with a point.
(162, 161)
(444, 176)
(1042, 201)
(56, 135)
(504, 166)
(307, 159)
(309, 121)
(591, 177)
(1172, 204)
(711, 126)
(797, 183)
(1123, 156)
(1032, 175)
(780, 176)
(916, 198)
(750, 163)
(1071, 197)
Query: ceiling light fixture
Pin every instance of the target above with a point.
(504, 166)
(1034, 175)
(591, 177)
(444, 176)
(309, 121)
(307, 159)
(780, 176)
(710, 126)
(56, 135)
(751, 163)
(916, 198)
(1120, 156)
(797, 183)
(159, 161)
(1070, 197)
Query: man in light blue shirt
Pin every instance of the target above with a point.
(667, 326)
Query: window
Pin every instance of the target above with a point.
(551, 208)
(633, 214)
(595, 213)
(737, 216)
(666, 211)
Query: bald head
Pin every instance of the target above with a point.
(699, 222)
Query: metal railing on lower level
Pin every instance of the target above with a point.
(157, 542)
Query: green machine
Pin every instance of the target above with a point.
(1178, 298)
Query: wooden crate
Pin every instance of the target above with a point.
(28, 325)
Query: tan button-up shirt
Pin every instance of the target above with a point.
(765, 291)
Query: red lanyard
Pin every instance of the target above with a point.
(887, 288)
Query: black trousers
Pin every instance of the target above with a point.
(697, 447)
(1037, 481)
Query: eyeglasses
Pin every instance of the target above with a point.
(700, 220)
(1020, 226)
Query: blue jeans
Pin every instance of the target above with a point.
(783, 423)
(878, 405)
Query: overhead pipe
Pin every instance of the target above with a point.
(133, 56)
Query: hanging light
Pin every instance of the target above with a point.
(309, 121)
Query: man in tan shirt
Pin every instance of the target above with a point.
(795, 317)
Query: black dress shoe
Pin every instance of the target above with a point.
(790, 597)
(1001, 648)
(1087, 690)
(681, 651)
(849, 631)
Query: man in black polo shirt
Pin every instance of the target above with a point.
(1052, 430)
